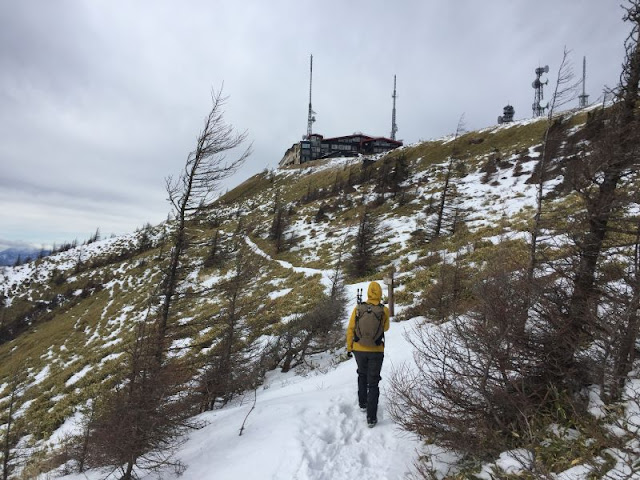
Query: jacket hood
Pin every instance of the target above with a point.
(374, 293)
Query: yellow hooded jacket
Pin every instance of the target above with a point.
(374, 294)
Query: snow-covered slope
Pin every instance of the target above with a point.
(302, 427)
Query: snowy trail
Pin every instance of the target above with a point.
(326, 275)
(304, 428)
(344, 447)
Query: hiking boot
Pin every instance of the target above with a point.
(363, 408)
(371, 422)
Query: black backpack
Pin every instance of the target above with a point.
(369, 331)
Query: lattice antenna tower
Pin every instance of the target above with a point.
(538, 109)
(394, 126)
(311, 116)
(584, 98)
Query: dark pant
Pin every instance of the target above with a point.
(369, 366)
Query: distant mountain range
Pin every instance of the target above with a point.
(9, 256)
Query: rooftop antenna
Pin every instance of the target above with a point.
(394, 126)
(310, 118)
(538, 110)
(584, 98)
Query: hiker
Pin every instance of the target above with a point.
(365, 338)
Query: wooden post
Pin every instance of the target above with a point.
(388, 281)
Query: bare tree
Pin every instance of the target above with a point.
(391, 173)
(278, 228)
(564, 92)
(216, 255)
(614, 157)
(205, 170)
(80, 444)
(142, 420)
(630, 325)
(481, 377)
(363, 259)
(447, 296)
(141, 423)
(233, 364)
(318, 330)
(448, 174)
(313, 332)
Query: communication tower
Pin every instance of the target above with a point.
(394, 126)
(507, 114)
(584, 98)
(538, 109)
(311, 116)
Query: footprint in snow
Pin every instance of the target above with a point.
(332, 439)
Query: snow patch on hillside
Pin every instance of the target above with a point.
(326, 275)
(12, 277)
(78, 375)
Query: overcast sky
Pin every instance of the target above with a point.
(100, 100)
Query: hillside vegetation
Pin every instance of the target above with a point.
(69, 320)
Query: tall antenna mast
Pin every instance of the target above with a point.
(538, 109)
(310, 117)
(584, 98)
(394, 126)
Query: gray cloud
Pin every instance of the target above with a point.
(102, 100)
